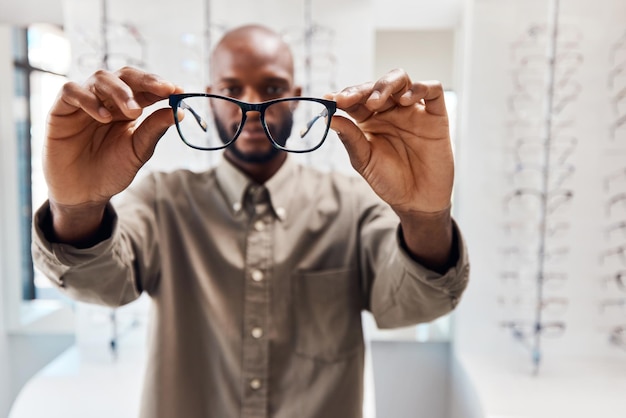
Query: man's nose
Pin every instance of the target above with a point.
(251, 95)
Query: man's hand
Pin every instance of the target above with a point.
(94, 147)
(400, 144)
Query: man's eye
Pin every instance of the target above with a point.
(230, 91)
(275, 90)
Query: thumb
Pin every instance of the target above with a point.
(149, 132)
(357, 145)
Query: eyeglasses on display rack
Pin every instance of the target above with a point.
(527, 332)
(612, 253)
(618, 279)
(617, 337)
(614, 304)
(550, 305)
(212, 122)
(554, 199)
(526, 230)
(552, 280)
(614, 228)
(528, 254)
(527, 148)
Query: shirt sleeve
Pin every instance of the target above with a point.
(113, 272)
(400, 291)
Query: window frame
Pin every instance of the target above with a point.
(23, 71)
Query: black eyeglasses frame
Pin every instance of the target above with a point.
(176, 99)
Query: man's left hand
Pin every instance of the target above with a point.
(399, 141)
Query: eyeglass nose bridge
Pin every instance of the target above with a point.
(253, 107)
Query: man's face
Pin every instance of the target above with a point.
(253, 71)
(227, 127)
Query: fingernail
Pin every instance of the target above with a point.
(103, 112)
(375, 95)
(407, 94)
(133, 105)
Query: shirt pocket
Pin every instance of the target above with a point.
(327, 308)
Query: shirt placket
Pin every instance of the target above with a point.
(256, 303)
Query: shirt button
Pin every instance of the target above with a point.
(257, 332)
(259, 225)
(236, 206)
(255, 384)
(257, 275)
(281, 212)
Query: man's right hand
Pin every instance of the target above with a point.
(94, 147)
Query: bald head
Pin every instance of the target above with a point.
(254, 44)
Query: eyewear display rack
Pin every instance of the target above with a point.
(544, 59)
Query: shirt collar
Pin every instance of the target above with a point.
(281, 187)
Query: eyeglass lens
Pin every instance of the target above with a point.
(212, 123)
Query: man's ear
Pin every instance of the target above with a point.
(297, 91)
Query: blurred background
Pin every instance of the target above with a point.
(536, 93)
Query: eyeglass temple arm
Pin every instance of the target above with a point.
(199, 119)
(304, 131)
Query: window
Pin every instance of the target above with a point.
(41, 56)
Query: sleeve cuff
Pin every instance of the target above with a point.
(55, 259)
(453, 281)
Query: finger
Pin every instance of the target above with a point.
(115, 94)
(378, 96)
(352, 101)
(73, 97)
(387, 90)
(431, 92)
(357, 145)
(351, 96)
(147, 134)
(148, 88)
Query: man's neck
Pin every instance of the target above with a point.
(258, 172)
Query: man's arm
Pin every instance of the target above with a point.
(121, 262)
(401, 289)
(429, 239)
(95, 147)
(398, 139)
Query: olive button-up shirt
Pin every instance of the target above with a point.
(257, 290)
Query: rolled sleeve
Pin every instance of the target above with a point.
(406, 293)
(101, 274)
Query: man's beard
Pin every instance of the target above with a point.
(256, 157)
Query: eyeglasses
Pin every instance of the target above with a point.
(617, 337)
(523, 331)
(550, 306)
(212, 122)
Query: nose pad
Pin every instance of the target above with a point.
(253, 116)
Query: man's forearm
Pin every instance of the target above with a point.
(429, 238)
(81, 226)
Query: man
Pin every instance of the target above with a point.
(258, 269)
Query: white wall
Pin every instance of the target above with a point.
(578, 369)
(424, 55)
(487, 161)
